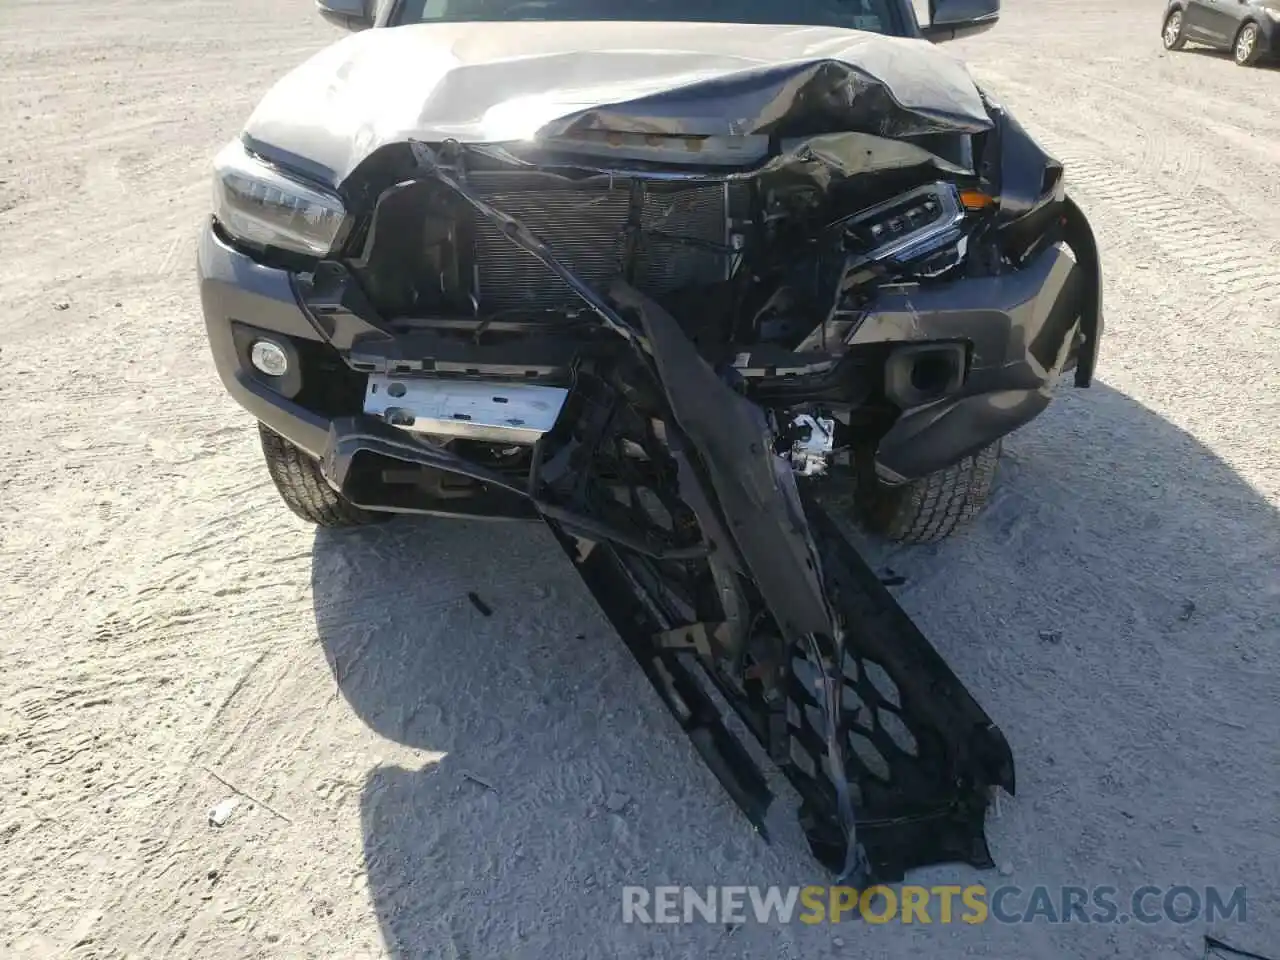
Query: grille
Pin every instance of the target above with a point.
(584, 224)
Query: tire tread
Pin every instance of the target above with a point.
(303, 488)
(933, 507)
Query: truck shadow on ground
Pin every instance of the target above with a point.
(1121, 564)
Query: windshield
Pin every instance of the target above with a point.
(876, 16)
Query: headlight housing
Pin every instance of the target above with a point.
(1272, 12)
(266, 207)
(924, 227)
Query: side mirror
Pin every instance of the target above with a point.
(949, 19)
(348, 14)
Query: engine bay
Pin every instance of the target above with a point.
(765, 258)
(768, 273)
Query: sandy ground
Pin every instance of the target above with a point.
(165, 619)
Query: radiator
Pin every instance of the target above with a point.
(584, 224)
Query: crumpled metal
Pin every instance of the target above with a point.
(525, 83)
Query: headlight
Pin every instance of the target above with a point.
(262, 205)
(1272, 12)
(908, 228)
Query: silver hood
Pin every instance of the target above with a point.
(527, 81)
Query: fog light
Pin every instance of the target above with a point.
(269, 357)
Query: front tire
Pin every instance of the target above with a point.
(303, 488)
(932, 508)
(1245, 50)
(1172, 35)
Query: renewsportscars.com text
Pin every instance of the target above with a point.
(944, 904)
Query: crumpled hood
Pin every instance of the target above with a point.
(505, 82)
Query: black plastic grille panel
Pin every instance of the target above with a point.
(919, 753)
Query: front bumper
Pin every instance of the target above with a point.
(1025, 330)
(240, 298)
(1025, 327)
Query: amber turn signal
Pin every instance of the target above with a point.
(976, 200)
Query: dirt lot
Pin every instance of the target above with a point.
(165, 620)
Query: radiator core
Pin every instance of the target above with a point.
(585, 224)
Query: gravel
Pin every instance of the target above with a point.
(1116, 610)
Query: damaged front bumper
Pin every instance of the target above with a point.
(1026, 328)
(894, 761)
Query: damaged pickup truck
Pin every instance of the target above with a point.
(682, 286)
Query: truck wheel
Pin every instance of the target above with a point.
(933, 507)
(303, 488)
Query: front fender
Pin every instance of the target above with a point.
(1079, 238)
(1031, 185)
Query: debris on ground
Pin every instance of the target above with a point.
(479, 604)
(1188, 608)
(616, 802)
(221, 813)
(476, 778)
(1213, 947)
(246, 794)
(1051, 636)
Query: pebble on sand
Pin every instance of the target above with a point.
(221, 813)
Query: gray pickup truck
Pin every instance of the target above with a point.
(676, 279)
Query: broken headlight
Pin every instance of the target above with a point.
(265, 207)
(924, 227)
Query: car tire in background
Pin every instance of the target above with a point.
(1172, 34)
(935, 506)
(303, 488)
(1245, 48)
